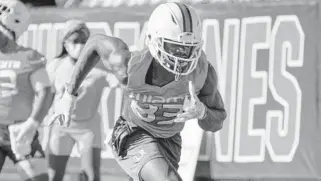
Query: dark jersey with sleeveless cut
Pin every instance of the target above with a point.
(154, 108)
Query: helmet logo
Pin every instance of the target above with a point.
(186, 37)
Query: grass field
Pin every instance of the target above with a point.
(109, 169)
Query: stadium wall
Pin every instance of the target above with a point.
(267, 58)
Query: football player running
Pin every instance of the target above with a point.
(25, 95)
(84, 130)
(165, 85)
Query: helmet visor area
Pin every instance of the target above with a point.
(178, 50)
(178, 57)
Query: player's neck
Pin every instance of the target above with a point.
(161, 74)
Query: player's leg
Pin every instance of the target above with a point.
(159, 169)
(89, 133)
(3, 156)
(88, 144)
(32, 167)
(142, 158)
(4, 144)
(59, 148)
(164, 168)
(90, 163)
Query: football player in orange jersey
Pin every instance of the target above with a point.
(25, 95)
(84, 130)
(164, 85)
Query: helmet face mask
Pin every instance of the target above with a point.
(7, 32)
(176, 47)
(177, 58)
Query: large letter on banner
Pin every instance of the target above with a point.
(283, 126)
(252, 90)
(225, 61)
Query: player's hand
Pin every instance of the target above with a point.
(193, 107)
(63, 108)
(22, 134)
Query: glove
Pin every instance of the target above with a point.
(22, 135)
(63, 109)
(193, 107)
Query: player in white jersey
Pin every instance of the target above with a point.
(25, 95)
(84, 130)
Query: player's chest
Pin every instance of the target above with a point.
(13, 71)
(156, 108)
(170, 96)
(16, 65)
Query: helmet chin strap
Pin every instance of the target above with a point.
(177, 77)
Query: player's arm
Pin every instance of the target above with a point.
(215, 113)
(43, 94)
(43, 99)
(111, 50)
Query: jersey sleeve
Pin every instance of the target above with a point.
(211, 98)
(39, 77)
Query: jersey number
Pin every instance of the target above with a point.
(148, 114)
(8, 83)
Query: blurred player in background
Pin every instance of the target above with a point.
(84, 130)
(165, 85)
(25, 95)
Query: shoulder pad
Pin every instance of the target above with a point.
(202, 64)
(137, 57)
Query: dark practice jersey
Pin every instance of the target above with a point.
(16, 89)
(154, 108)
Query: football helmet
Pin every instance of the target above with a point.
(175, 27)
(14, 16)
